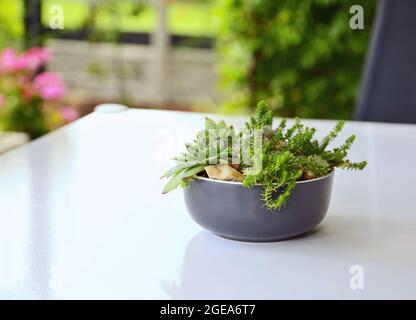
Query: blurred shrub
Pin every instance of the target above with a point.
(11, 23)
(30, 101)
(299, 55)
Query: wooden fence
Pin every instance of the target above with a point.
(153, 73)
(134, 73)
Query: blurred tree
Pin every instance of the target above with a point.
(33, 23)
(11, 23)
(299, 55)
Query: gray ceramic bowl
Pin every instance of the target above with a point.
(231, 211)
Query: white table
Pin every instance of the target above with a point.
(11, 140)
(82, 216)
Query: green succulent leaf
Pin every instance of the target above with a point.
(176, 169)
(210, 124)
(177, 179)
(221, 125)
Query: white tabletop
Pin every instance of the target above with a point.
(82, 216)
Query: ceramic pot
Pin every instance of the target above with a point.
(231, 211)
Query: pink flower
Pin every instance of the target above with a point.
(49, 86)
(9, 61)
(69, 114)
(34, 58)
(31, 60)
(2, 100)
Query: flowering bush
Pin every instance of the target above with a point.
(31, 102)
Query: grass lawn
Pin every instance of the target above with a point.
(183, 17)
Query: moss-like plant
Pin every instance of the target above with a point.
(288, 155)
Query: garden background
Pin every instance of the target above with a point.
(301, 56)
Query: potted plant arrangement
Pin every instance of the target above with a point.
(260, 183)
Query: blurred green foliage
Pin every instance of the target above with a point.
(301, 56)
(11, 23)
(189, 17)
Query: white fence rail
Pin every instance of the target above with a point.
(105, 71)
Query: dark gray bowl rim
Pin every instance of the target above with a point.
(259, 184)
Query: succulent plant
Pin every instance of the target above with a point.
(212, 146)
